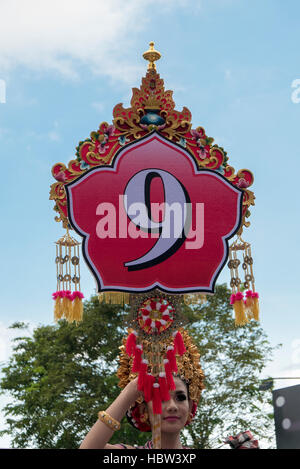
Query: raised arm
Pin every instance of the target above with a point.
(100, 433)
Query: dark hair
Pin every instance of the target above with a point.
(187, 384)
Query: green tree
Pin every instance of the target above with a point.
(232, 359)
(60, 378)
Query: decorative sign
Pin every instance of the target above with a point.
(154, 219)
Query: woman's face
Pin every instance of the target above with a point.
(176, 411)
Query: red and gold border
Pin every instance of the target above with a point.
(128, 126)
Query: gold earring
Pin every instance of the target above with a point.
(144, 417)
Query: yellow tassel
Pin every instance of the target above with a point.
(249, 307)
(240, 315)
(58, 309)
(255, 309)
(114, 298)
(194, 298)
(77, 310)
(67, 308)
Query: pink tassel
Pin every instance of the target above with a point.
(142, 375)
(164, 390)
(69, 295)
(156, 399)
(255, 295)
(131, 343)
(179, 344)
(172, 358)
(148, 387)
(232, 299)
(77, 294)
(137, 359)
(169, 376)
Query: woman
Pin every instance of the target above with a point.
(176, 413)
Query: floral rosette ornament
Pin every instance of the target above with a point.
(155, 315)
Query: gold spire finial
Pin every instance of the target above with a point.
(151, 55)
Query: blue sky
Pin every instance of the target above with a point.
(66, 64)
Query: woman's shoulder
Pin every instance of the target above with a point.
(119, 446)
(148, 445)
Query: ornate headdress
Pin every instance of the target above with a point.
(187, 367)
(148, 259)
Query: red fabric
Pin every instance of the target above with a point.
(164, 389)
(156, 399)
(142, 376)
(148, 387)
(169, 377)
(172, 360)
(137, 359)
(179, 344)
(130, 344)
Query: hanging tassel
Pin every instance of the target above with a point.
(131, 343)
(148, 387)
(67, 304)
(57, 305)
(156, 399)
(114, 298)
(137, 359)
(237, 301)
(69, 312)
(178, 343)
(142, 375)
(255, 309)
(172, 358)
(77, 307)
(169, 376)
(249, 304)
(163, 385)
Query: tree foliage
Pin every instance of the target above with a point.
(60, 378)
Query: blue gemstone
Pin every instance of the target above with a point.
(152, 118)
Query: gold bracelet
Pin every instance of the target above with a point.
(108, 420)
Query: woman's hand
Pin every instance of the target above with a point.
(131, 391)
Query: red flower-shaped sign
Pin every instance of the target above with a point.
(153, 219)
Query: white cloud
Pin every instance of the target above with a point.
(65, 35)
(98, 106)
